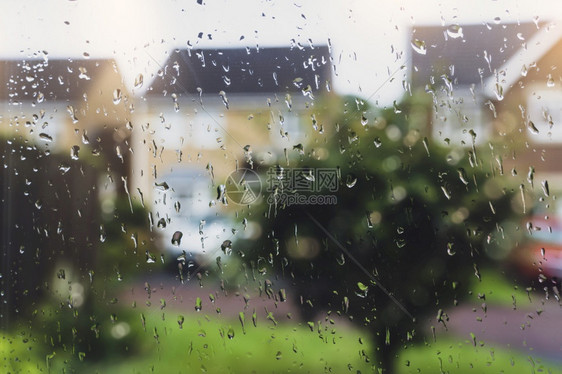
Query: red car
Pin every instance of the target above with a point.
(540, 253)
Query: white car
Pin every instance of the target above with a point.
(191, 228)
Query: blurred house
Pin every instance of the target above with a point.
(499, 80)
(77, 107)
(223, 108)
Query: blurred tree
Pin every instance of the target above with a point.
(64, 250)
(406, 233)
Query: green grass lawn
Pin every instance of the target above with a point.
(207, 345)
(499, 291)
(459, 357)
(212, 346)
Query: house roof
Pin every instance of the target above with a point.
(466, 54)
(52, 79)
(536, 47)
(248, 71)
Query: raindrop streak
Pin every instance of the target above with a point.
(424, 141)
(545, 188)
(522, 189)
(222, 94)
(463, 177)
(124, 179)
(498, 90)
(446, 193)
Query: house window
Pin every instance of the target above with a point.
(287, 130)
(176, 130)
(458, 118)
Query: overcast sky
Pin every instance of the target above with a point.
(369, 37)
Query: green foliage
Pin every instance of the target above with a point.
(18, 354)
(411, 216)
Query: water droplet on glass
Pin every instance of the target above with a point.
(45, 137)
(83, 73)
(455, 31)
(117, 96)
(85, 138)
(419, 46)
(74, 150)
(222, 94)
(363, 289)
(181, 320)
(198, 304)
(446, 192)
(139, 80)
(450, 250)
(64, 168)
(532, 128)
(550, 81)
(226, 247)
(350, 181)
(364, 120)
(498, 91)
(463, 177)
(162, 186)
(545, 188)
(176, 238)
(377, 142)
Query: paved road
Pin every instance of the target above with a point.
(533, 328)
(230, 303)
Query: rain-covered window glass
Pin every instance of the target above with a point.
(261, 186)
